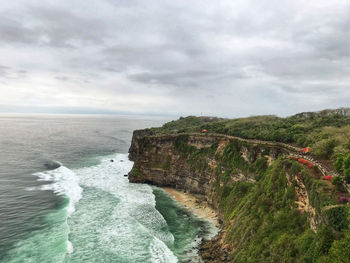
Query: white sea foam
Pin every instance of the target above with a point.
(161, 253)
(135, 218)
(69, 247)
(113, 213)
(64, 182)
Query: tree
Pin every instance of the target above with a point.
(342, 164)
(347, 175)
(338, 217)
(346, 162)
(338, 164)
(337, 181)
(346, 168)
(324, 148)
(340, 250)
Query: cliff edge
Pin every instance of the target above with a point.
(272, 208)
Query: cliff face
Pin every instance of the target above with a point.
(341, 111)
(158, 162)
(190, 162)
(272, 208)
(260, 195)
(197, 164)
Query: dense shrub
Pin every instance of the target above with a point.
(337, 181)
(338, 163)
(324, 148)
(342, 165)
(338, 217)
(340, 250)
(327, 135)
(265, 225)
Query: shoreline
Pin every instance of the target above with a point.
(213, 250)
(194, 203)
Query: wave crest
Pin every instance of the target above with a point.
(64, 182)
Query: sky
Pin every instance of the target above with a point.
(226, 58)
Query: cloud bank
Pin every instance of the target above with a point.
(226, 58)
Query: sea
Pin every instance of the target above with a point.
(64, 196)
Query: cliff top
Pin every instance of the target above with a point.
(328, 112)
(327, 132)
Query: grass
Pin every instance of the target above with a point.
(328, 136)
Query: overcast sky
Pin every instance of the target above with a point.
(179, 57)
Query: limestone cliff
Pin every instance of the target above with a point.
(341, 111)
(252, 185)
(163, 161)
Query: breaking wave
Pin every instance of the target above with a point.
(107, 219)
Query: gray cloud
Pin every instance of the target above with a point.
(4, 71)
(14, 31)
(54, 26)
(226, 58)
(8, 74)
(62, 28)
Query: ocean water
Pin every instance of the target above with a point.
(62, 199)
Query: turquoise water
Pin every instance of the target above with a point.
(63, 200)
(104, 218)
(187, 229)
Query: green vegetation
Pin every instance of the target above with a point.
(262, 220)
(196, 158)
(340, 250)
(328, 136)
(342, 165)
(337, 181)
(321, 193)
(264, 225)
(231, 161)
(134, 171)
(338, 217)
(185, 124)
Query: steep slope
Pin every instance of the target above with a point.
(272, 208)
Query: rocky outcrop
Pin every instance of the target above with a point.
(195, 162)
(341, 111)
(158, 161)
(215, 250)
(303, 200)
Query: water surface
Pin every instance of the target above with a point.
(63, 200)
